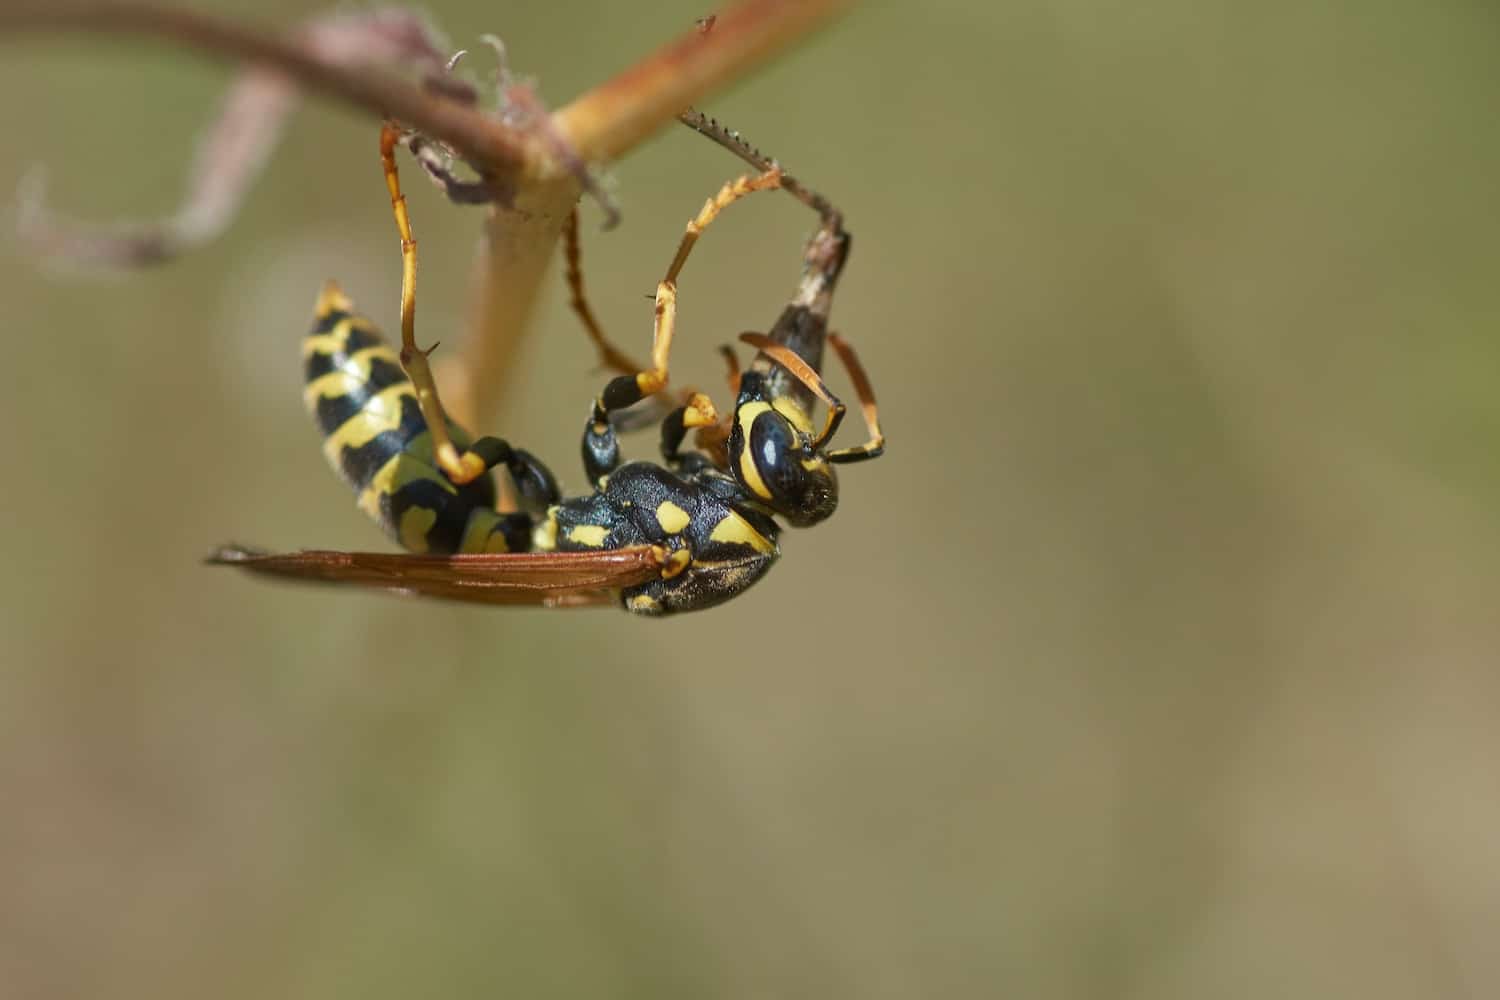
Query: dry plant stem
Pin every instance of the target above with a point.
(513, 261)
(601, 125)
(617, 115)
(477, 136)
(237, 145)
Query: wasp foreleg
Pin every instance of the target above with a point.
(627, 390)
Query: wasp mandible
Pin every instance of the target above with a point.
(684, 535)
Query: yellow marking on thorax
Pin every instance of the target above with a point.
(415, 523)
(591, 535)
(480, 534)
(382, 413)
(544, 535)
(748, 472)
(735, 530)
(671, 517)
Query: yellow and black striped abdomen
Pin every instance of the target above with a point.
(375, 438)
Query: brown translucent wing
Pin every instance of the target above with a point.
(540, 579)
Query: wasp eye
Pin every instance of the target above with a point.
(775, 450)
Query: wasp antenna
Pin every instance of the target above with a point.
(736, 144)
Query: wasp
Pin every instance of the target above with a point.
(657, 539)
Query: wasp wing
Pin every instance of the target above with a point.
(543, 579)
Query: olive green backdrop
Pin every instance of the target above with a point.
(1157, 659)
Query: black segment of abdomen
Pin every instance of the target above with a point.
(332, 412)
(452, 510)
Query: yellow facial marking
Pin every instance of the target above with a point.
(591, 535)
(415, 523)
(671, 517)
(749, 412)
(789, 409)
(382, 413)
(735, 530)
(748, 472)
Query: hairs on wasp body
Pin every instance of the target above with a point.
(683, 535)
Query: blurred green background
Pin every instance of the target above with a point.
(1157, 659)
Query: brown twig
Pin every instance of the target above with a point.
(645, 97)
(621, 112)
(381, 93)
(236, 147)
(600, 125)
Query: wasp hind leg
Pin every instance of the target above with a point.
(460, 467)
(610, 356)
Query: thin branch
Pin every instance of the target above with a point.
(645, 98)
(236, 147)
(476, 136)
(619, 114)
(601, 125)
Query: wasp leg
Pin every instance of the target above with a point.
(713, 439)
(697, 412)
(736, 144)
(732, 360)
(610, 356)
(626, 390)
(438, 164)
(875, 447)
(807, 375)
(601, 446)
(460, 467)
(534, 481)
